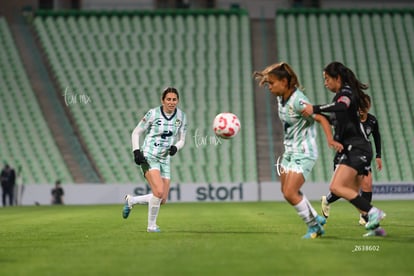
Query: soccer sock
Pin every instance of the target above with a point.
(306, 212)
(143, 199)
(367, 195)
(331, 198)
(361, 203)
(313, 211)
(153, 209)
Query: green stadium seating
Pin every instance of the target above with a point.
(377, 45)
(25, 138)
(122, 61)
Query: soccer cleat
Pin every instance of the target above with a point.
(127, 207)
(314, 232)
(155, 229)
(374, 218)
(362, 221)
(325, 207)
(321, 220)
(379, 232)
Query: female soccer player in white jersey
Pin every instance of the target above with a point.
(165, 128)
(301, 151)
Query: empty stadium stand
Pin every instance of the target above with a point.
(26, 141)
(377, 46)
(112, 68)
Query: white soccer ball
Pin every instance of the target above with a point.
(226, 125)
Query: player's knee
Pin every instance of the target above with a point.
(158, 193)
(288, 194)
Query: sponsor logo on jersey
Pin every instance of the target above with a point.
(166, 134)
(158, 122)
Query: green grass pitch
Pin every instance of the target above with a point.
(201, 239)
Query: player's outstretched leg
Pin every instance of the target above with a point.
(127, 206)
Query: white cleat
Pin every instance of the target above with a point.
(325, 207)
(155, 229)
(362, 221)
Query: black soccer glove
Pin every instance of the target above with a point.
(139, 157)
(173, 150)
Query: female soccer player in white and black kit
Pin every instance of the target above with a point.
(165, 128)
(355, 158)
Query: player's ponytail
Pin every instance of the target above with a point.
(281, 70)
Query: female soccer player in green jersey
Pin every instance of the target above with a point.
(299, 142)
(165, 128)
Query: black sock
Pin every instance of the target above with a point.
(331, 197)
(367, 195)
(361, 203)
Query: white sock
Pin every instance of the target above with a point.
(143, 199)
(153, 209)
(314, 213)
(306, 212)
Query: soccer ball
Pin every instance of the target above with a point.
(226, 125)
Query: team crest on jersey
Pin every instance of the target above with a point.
(177, 122)
(291, 111)
(368, 131)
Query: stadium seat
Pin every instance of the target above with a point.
(377, 46)
(124, 62)
(29, 141)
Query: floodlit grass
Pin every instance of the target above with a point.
(201, 239)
